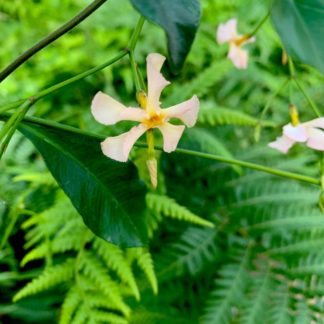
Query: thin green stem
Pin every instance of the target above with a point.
(258, 127)
(274, 95)
(67, 82)
(135, 72)
(56, 125)
(13, 216)
(141, 79)
(134, 38)
(22, 113)
(291, 67)
(51, 38)
(254, 166)
(260, 24)
(308, 98)
(138, 80)
(80, 76)
(11, 121)
(293, 76)
(84, 74)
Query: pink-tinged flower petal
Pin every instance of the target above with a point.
(316, 139)
(227, 32)
(118, 147)
(318, 123)
(133, 114)
(171, 136)
(106, 110)
(186, 111)
(282, 144)
(296, 133)
(155, 80)
(238, 56)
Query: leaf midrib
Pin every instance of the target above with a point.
(88, 170)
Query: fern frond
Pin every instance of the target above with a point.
(107, 318)
(81, 315)
(258, 299)
(311, 265)
(144, 261)
(70, 305)
(170, 208)
(151, 316)
(209, 143)
(225, 116)
(98, 298)
(303, 314)
(51, 220)
(279, 312)
(294, 222)
(229, 292)
(60, 244)
(95, 270)
(201, 84)
(50, 277)
(115, 259)
(192, 251)
(301, 246)
(36, 177)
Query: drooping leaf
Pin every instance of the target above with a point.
(300, 24)
(108, 194)
(179, 19)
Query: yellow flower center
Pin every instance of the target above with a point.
(240, 40)
(154, 120)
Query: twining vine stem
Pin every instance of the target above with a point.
(130, 51)
(67, 82)
(51, 38)
(138, 80)
(117, 57)
(260, 24)
(254, 166)
(11, 125)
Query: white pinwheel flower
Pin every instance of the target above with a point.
(108, 111)
(227, 33)
(311, 133)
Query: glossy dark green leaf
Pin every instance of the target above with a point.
(108, 194)
(300, 24)
(179, 19)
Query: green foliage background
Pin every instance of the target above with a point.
(263, 259)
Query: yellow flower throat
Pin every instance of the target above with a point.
(239, 41)
(153, 118)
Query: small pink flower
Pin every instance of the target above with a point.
(310, 133)
(227, 33)
(108, 111)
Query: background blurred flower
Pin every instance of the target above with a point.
(227, 33)
(310, 132)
